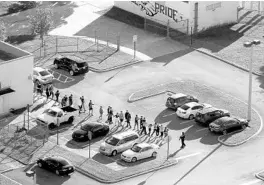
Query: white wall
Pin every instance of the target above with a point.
(15, 73)
(226, 13)
(174, 11)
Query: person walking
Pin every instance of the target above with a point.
(91, 108)
(70, 100)
(149, 129)
(57, 94)
(166, 131)
(136, 122)
(51, 90)
(82, 103)
(141, 122)
(101, 111)
(121, 117)
(108, 109)
(47, 93)
(110, 115)
(128, 120)
(117, 119)
(144, 128)
(39, 88)
(155, 128)
(182, 138)
(161, 130)
(126, 114)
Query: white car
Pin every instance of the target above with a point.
(140, 151)
(41, 75)
(189, 110)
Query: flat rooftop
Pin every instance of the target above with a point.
(10, 52)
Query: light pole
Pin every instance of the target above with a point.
(250, 45)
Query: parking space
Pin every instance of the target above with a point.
(61, 77)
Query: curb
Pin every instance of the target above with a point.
(230, 145)
(258, 176)
(227, 62)
(78, 169)
(114, 68)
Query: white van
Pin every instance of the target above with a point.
(119, 142)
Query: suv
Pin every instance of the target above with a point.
(119, 142)
(225, 124)
(74, 65)
(208, 115)
(176, 100)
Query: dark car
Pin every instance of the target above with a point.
(96, 129)
(208, 115)
(56, 164)
(226, 124)
(176, 100)
(73, 64)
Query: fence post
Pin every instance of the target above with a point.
(145, 23)
(44, 47)
(191, 35)
(95, 36)
(118, 42)
(168, 29)
(259, 7)
(40, 50)
(107, 38)
(24, 125)
(77, 44)
(97, 49)
(187, 27)
(56, 44)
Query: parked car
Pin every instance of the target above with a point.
(208, 115)
(226, 124)
(119, 142)
(96, 129)
(140, 151)
(56, 164)
(41, 75)
(55, 116)
(176, 100)
(73, 64)
(189, 110)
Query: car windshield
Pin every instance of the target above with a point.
(185, 107)
(136, 149)
(44, 73)
(112, 141)
(87, 127)
(51, 112)
(170, 100)
(81, 64)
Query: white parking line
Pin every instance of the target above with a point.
(252, 182)
(201, 129)
(169, 114)
(186, 156)
(186, 121)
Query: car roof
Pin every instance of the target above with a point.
(178, 95)
(59, 159)
(74, 58)
(38, 69)
(192, 104)
(91, 125)
(56, 109)
(125, 134)
(143, 145)
(224, 119)
(210, 109)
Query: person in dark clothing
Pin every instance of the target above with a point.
(144, 128)
(154, 129)
(51, 91)
(141, 122)
(82, 103)
(57, 94)
(157, 130)
(70, 100)
(182, 138)
(39, 88)
(149, 129)
(47, 93)
(128, 120)
(126, 114)
(108, 109)
(166, 132)
(110, 115)
(91, 107)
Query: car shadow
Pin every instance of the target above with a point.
(46, 177)
(128, 164)
(104, 159)
(82, 144)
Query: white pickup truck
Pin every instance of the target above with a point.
(55, 116)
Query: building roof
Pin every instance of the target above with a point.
(5, 56)
(178, 95)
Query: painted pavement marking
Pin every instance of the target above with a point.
(186, 121)
(187, 156)
(202, 129)
(252, 182)
(169, 114)
(115, 166)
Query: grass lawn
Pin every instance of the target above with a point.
(18, 27)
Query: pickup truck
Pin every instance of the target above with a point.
(55, 116)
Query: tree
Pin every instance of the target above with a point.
(41, 22)
(2, 31)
